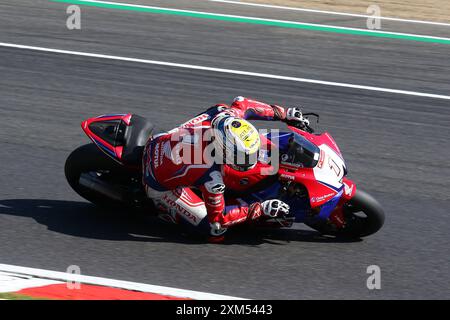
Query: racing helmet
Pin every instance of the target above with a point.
(236, 141)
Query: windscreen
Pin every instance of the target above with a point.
(300, 152)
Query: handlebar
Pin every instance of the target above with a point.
(303, 126)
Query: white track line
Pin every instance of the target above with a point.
(330, 12)
(63, 276)
(263, 19)
(229, 71)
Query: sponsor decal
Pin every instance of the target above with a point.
(248, 135)
(161, 152)
(196, 120)
(236, 124)
(287, 176)
(218, 188)
(321, 198)
(179, 209)
(288, 161)
(255, 211)
(147, 157)
(156, 156)
(183, 194)
(348, 190)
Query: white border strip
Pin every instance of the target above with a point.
(168, 291)
(12, 282)
(229, 71)
(329, 12)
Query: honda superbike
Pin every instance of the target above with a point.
(311, 178)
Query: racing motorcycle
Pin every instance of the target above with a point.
(311, 178)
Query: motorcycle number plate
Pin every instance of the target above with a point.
(331, 168)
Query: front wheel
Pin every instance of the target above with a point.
(363, 216)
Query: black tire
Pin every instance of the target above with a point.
(357, 226)
(374, 215)
(88, 158)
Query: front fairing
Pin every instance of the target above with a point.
(324, 181)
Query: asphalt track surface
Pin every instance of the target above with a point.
(396, 147)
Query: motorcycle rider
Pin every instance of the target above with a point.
(170, 176)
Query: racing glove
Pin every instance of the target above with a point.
(274, 208)
(270, 208)
(295, 114)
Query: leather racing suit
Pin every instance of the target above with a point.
(170, 181)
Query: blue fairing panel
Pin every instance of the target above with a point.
(266, 194)
(329, 206)
(298, 207)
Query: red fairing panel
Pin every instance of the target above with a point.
(241, 181)
(323, 138)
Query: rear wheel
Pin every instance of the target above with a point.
(95, 177)
(363, 216)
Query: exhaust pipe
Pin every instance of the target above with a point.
(90, 182)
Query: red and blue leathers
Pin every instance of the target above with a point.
(171, 179)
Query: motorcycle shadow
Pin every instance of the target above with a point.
(248, 235)
(82, 219)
